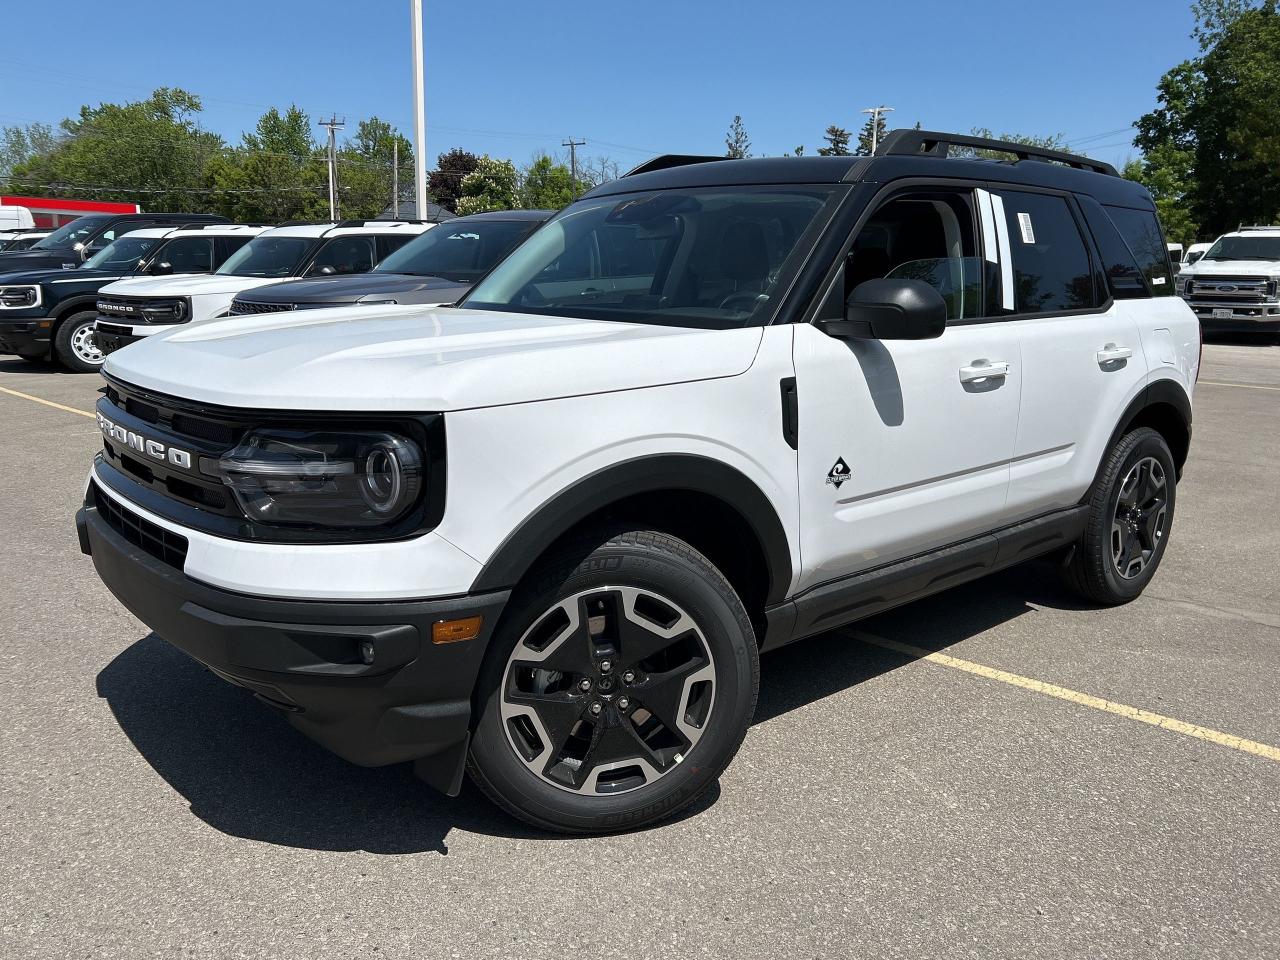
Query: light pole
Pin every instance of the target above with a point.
(334, 125)
(419, 115)
(875, 123)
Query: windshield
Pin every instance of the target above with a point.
(1245, 248)
(266, 256)
(77, 231)
(123, 254)
(713, 257)
(464, 252)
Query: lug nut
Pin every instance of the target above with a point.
(629, 677)
(623, 703)
(606, 666)
(596, 708)
(584, 685)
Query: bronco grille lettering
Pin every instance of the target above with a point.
(145, 445)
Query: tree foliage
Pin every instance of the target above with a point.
(549, 185)
(492, 185)
(875, 127)
(445, 181)
(24, 143)
(837, 139)
(737, 143)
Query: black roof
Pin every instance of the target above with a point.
(705, 172)
(535, 215)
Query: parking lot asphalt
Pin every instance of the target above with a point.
(885, 802)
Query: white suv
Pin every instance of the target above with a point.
(1235, 286)
(706, 410)
(132, 309)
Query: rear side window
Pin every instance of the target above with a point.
(1126, 280)
(224, 247)
(189, 254)
(1051, 267)
(388, 245)
(1141, 231)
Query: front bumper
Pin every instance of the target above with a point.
(303, 657)
(1251, 317)
(27, 337)
(111, 336)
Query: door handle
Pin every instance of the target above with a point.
(984, 370)
(1111, 353)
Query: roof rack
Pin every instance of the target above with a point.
(668, 160)
(1256, 226)
(377, 222)
(930, 143)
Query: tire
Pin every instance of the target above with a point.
(657, 626)
(1131, 510)
(74, 349)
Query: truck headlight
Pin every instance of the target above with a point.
(324, 479)
(17, 298)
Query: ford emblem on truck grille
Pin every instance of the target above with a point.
(145, 445)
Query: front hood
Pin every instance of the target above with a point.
(400, 287)
(183, 286)
(411, 359)
(54, 276)
(33, 259)
(1232, 268)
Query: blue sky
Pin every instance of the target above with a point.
(510, 78)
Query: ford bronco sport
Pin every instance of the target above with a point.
(706, 410)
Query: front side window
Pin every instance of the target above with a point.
(463, 253)
(1141, 231)
(1051, 267)
(714, 257)
(77, 231)
(931, 237)
(122, 254)
(344, 255)
(266, 256)
(187, 254)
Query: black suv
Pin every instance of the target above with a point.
(47, 314)
(435, 268)
(73, 244)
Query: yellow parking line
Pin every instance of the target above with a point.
(47, 403)
(1244, 386)
(1072, 696)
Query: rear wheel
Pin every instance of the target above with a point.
(619, 686)
(1130, 515)
(75, 345)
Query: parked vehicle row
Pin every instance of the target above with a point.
(714, 406)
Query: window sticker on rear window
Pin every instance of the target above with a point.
(1028, 231)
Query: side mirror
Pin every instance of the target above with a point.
(890, 310)
(326, 271)
(163, 268)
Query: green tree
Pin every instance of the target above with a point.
(151, 152)
(1166, 172)
(837, 142)
(492, 185)
(1213, 17)
(737, 143)
(24, 143)
(365, 165)
(876, 126)
(549, 185)
(445, 181)
(277, 173)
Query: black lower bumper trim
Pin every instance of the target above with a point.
(111, 342)
(412, 701)
(24, 338)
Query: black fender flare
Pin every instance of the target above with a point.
(1158, 392)
(617, 482)
(73, 304)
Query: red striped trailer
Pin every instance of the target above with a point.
(50, 212)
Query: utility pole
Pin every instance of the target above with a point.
(573, 145)
(333, 124)
(419, 114)
(875, 125)
(395, 179)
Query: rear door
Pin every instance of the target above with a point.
(904, 446)
(1082, 354)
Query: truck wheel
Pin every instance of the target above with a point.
(1130, 515)
(618, 687)
(75, 345)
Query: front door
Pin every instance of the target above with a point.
(905, 446)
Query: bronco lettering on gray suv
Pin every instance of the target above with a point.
(708, 409)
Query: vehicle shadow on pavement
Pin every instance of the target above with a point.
(247, 773)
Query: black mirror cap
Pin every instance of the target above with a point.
(891, 310)
(162, 269)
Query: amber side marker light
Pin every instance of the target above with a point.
(455, 631)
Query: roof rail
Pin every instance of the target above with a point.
(1256, 226)
(305, 223)
(668, 160)
(377, 222)
(898, 143)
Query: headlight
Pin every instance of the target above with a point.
(16, 298)
(324, 479)
(165, 311)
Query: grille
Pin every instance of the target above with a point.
(143, 309)
(242, 307)
(1233, 289)
(168, 548)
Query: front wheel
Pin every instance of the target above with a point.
(76, 345)
(618, 687)
(1130, 516)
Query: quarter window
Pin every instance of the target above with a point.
(1051, 268)
(1141, 231)
(1122, 273)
